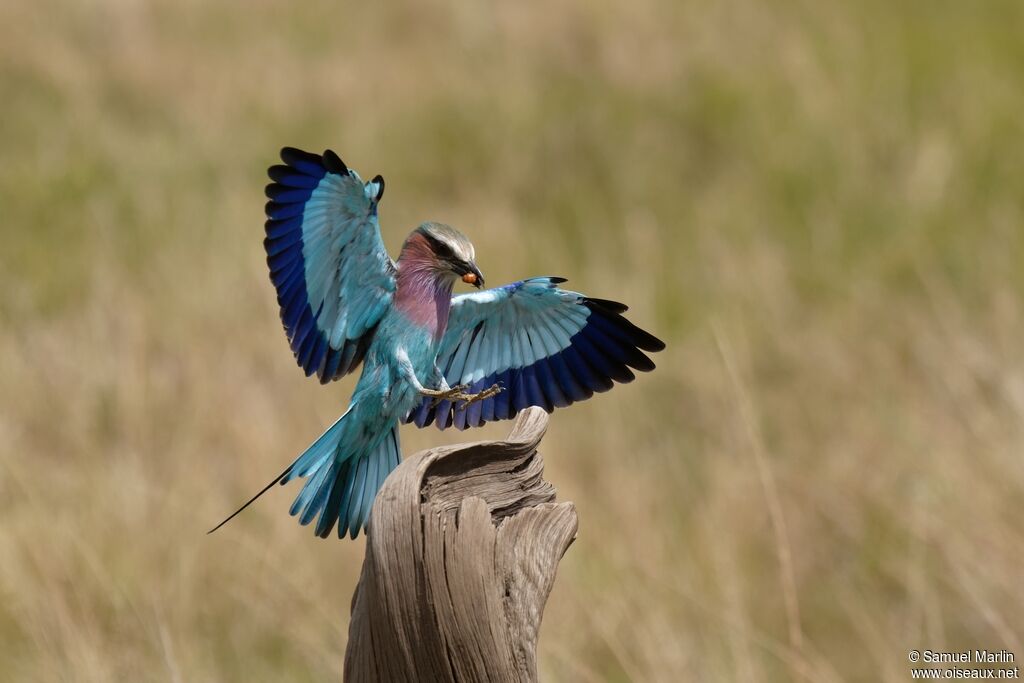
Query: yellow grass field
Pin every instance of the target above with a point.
(819, 206)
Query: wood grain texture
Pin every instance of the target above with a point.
(462, 550)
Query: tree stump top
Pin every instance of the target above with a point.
(461, 555)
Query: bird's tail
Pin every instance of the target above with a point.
(343, 478)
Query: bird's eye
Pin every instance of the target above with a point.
(442, 249)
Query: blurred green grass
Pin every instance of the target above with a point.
(817, 205)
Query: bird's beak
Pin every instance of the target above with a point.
(474, 277)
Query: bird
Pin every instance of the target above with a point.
(427, 356)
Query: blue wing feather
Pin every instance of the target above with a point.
(553, 390)
(286, 176)
(545, 346)
(574, 391)
(279, 211)
(596, 358)
(502, 402)
(277, 229)
(286, 241)
(333, 277)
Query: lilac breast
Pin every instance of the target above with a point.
(425, 300)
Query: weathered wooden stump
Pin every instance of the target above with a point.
(461, 555)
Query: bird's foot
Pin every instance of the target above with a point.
(457, 394)
(487, 393)
(445, 393)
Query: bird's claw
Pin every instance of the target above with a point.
(445, 393)
(487, 393)
(457, 394)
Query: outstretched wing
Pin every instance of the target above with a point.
(545, 346)
(334, 279)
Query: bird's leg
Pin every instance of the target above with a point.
(443, 391)
(438, 378)
(407, 371)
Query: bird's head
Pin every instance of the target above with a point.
(449, 253)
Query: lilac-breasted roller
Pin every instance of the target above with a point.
(427, 357)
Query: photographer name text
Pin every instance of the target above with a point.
(965, 657)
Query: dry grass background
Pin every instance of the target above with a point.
(818, 205)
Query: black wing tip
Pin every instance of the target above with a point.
(641, 363)
(290, 155)
(379, 179)
(645, 341)
(333, 163)
(608, 305)
(641, 338)
(293, 156)
(278, 171)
